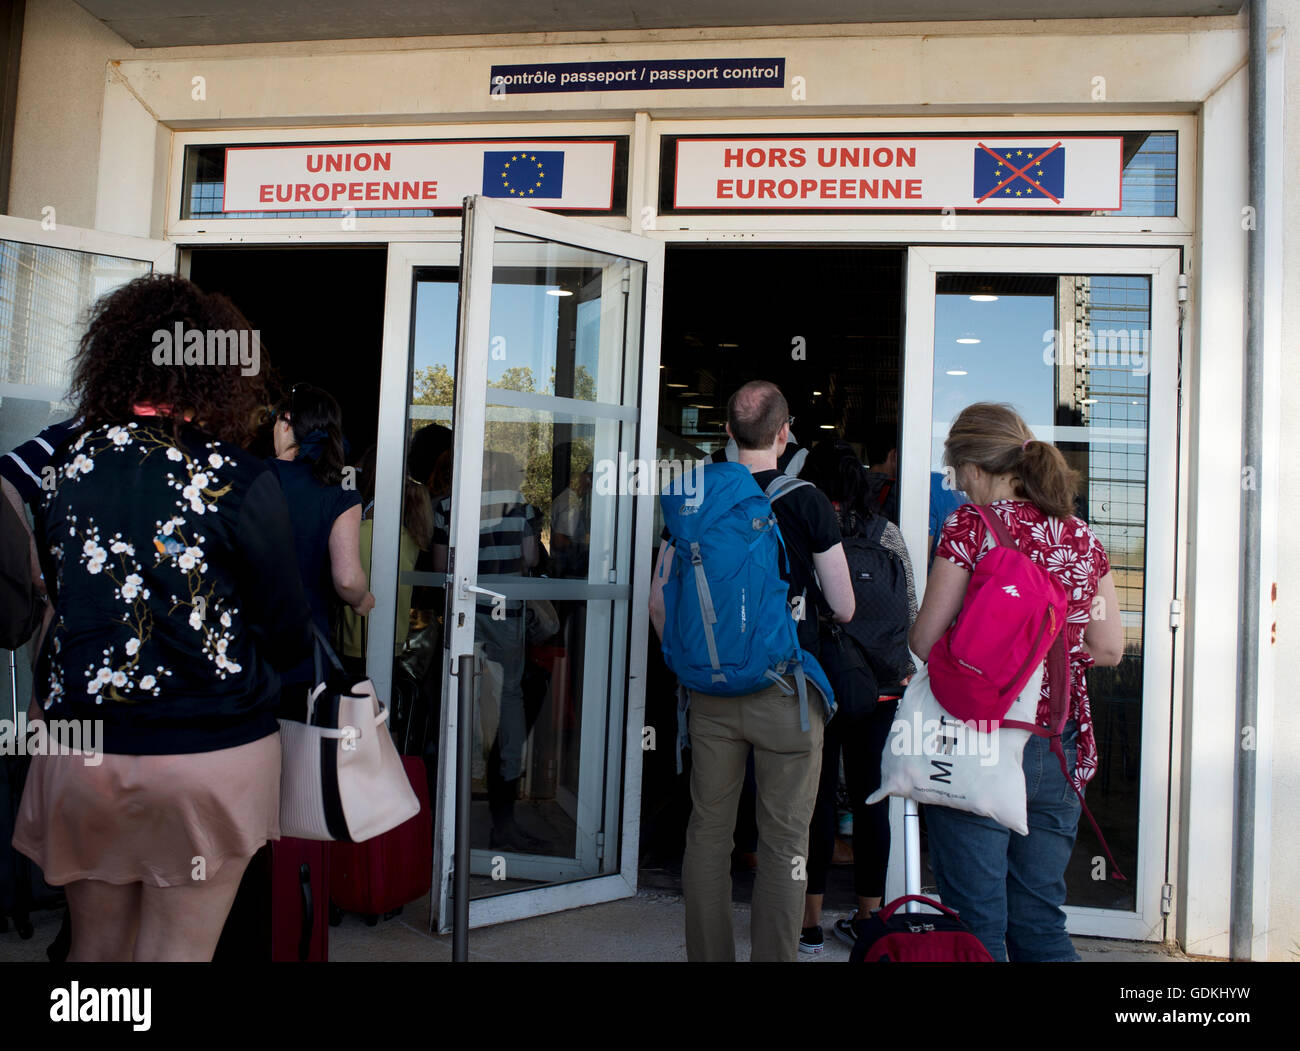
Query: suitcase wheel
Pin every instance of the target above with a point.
(336, 915)
(372, 919)
(393, 912)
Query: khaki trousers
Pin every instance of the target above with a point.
(787, 764)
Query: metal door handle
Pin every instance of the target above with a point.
(471, 589)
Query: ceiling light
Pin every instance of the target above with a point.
(558, 292)
(817, 394)
(729, 345)
(828, 426)
(689, 394)
(956, 372)
(701, 406)
(983, 298)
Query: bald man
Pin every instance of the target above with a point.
(787, 759)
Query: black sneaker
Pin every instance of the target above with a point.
(811, 940)
(847, 930)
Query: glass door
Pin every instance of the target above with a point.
(528, 394)
(49, 279)
(1083, 343)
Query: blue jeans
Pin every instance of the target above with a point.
(1009, 888)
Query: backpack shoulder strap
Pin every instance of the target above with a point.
(795, 466)
(994, 524)
(782, 484)
(875, 531)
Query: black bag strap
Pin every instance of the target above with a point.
(321, 645)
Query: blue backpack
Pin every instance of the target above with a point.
(729, 629)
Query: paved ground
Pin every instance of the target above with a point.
(648, 927)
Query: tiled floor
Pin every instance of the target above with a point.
(648, 927)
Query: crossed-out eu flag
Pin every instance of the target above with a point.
(1020, 173)
(523, 173)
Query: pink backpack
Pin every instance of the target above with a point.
(1013, 612)
(1013, 618)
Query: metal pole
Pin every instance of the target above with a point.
(460, 864)
(1242, 898)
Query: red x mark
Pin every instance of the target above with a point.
(1017, 173)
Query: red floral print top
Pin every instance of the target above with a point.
(1071, 552)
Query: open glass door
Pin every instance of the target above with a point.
(49, 279)
(1083, 343)
(526, 439)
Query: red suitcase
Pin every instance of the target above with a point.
(379, 876)
(300, 881)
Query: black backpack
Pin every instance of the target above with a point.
(881, 617)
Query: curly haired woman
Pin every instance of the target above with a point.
(177, 601)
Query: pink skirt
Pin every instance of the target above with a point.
(149, 818)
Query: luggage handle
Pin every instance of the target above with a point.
(892, 907)
(308, 912)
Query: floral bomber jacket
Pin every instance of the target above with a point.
(177, 595)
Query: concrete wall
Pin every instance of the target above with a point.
(1284, 866)
(92, 137)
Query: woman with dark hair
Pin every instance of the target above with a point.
(175, 604)
(325, 509)
(835, 469)
(1009, 888)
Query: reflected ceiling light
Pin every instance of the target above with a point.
(693, 406)
(983, 298)
(682, 385)
(968, 338)
(1088, 401)
(956, 372)
(689, 394)
(729, 345)
(828, 426)
(817, 394)
(558, 292)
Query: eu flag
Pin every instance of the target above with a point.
(523, 174)
(1034, 173)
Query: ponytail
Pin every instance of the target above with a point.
(318, 432)
(1046, 480)
(997, 440)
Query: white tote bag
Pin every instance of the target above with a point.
(340, 775)
(933, 758)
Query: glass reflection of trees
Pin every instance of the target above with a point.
(531, 442)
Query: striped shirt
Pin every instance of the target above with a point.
(25, 466)
(506, 519)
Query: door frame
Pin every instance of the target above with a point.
(403, 258)
(1162, 265)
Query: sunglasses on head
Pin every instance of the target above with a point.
(287, 411)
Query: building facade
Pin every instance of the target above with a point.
(1112, 283)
